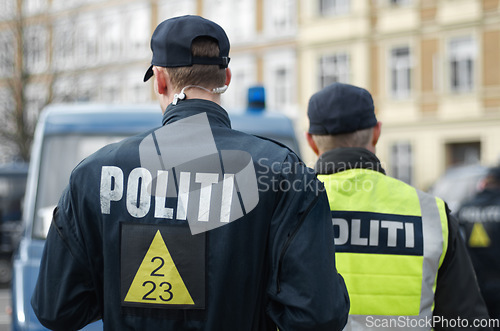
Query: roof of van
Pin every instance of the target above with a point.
(262, 123)
(62, 118)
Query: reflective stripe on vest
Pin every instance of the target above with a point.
(380, 224)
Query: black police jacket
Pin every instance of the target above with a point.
(480, 221)
(184, 228)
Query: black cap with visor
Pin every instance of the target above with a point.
(172, 39)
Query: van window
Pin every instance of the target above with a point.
(60, 154)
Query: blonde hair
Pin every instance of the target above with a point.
(360, 138)
(209, 76)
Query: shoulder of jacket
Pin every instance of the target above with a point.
(281, 145)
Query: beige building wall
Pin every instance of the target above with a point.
(319, 36)
(430, 119)
(433, 118)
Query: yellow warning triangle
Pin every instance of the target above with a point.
(157, 280)
(478, 236)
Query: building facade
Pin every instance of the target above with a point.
(431, 65)
(92, 50)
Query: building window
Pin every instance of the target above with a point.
(64, 89)
(402, 162)
(462, 56)
(463, 153)
(86, 88)
(86, 41)
(280, 16)
(36, 99)
(136, 40)
(7, 9)
(237, 17)
(281, 88)
(334, 68)
(280, 80)
(6, 100)
(172, 8)
(7, 55)
(333, 7)
(111, 36)
(136, 90)
(111, 89)
(244, 71)
(35, 48)
(400, 67)
(63, 44)
(31, 7)
(237, 95)
(399, 2)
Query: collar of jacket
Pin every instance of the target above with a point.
(345, 158)
(217, 116)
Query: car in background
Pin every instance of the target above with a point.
(12, 187)
(65, 135)
(458, 184)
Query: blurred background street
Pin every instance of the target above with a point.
(432, 67)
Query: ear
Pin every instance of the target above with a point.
(160, 80)
(228, 76)
(312, 143)
(377, 130)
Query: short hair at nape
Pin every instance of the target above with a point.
(360, 138)
(209, 76)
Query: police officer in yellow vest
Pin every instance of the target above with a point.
(398, 249)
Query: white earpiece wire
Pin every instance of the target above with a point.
(182, 95)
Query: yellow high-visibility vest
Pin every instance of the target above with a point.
(390, 241)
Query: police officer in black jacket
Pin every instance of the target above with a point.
(191, 226)
(480, 221)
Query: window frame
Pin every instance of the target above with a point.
(461, 62)
(400, 72)
(402, 161)
(333, 7)
(338, 70)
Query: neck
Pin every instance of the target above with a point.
(195, 92)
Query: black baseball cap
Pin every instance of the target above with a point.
(172, 39)
(340, 108)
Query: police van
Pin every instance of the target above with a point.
(65, 135)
